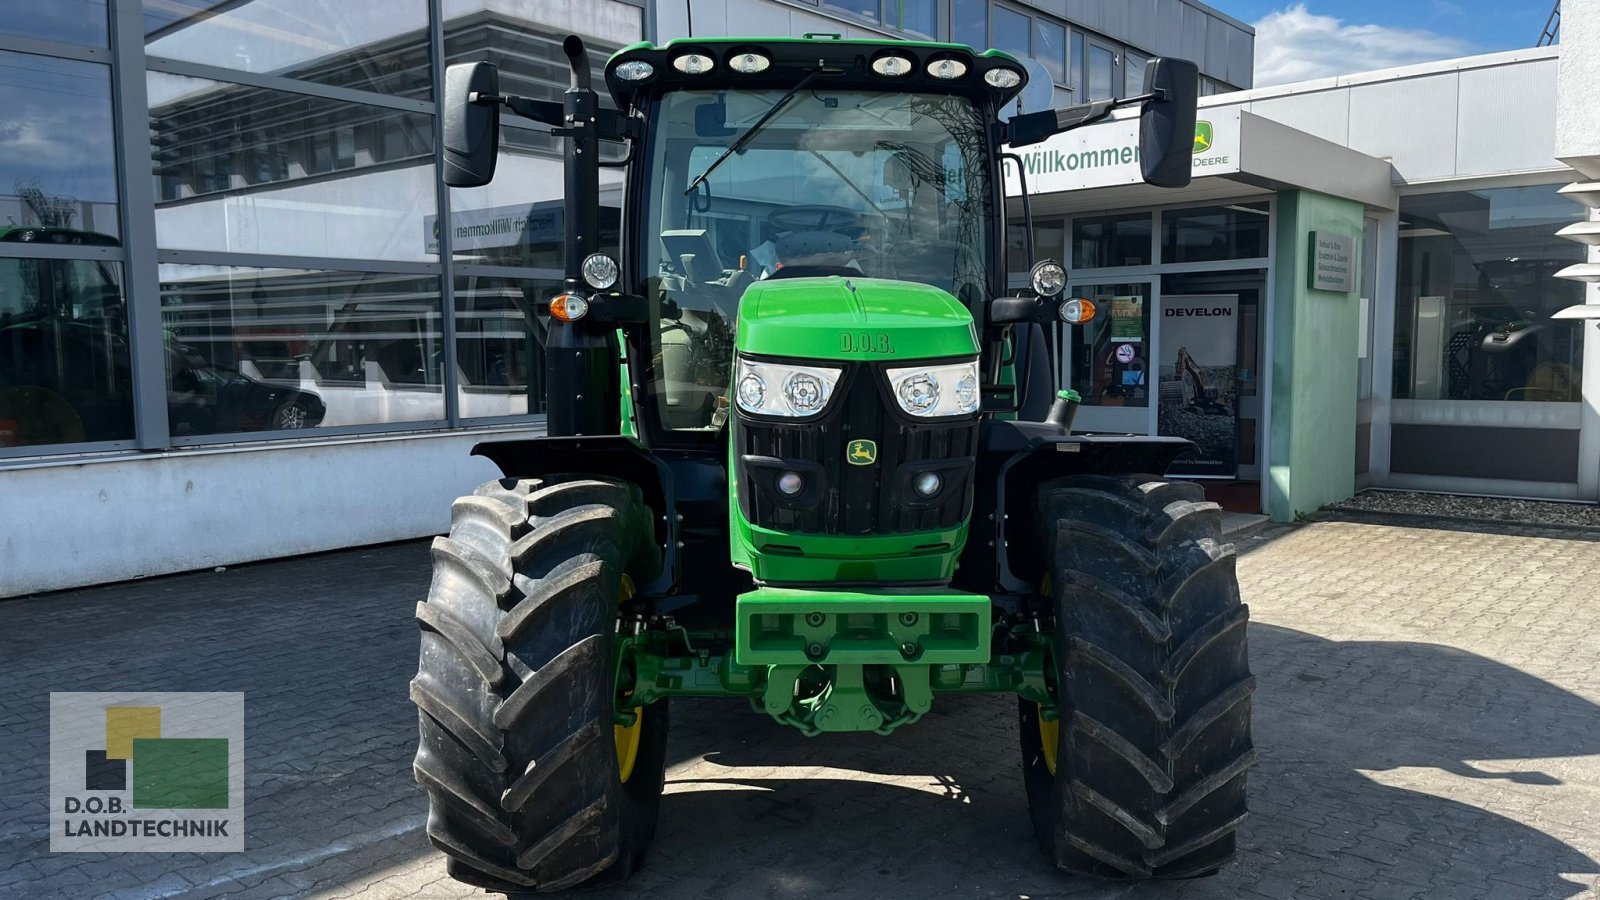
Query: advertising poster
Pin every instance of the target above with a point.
(1199, 400)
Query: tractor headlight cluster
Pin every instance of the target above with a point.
(933, 391)
(634, 70)
(599, 271)
(695, 63)
(780, 389)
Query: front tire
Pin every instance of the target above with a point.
(515, 687)
(1146, 775)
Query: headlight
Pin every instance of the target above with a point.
(694, 63)
(1049, 279)
(634, 70)
(749, 63)
(779, 389)
(600, 271)
(947, 68)
(1003, 78)
(932, 391)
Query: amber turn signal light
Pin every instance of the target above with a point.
(569, 307)
(1076, 311)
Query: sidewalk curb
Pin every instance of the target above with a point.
(1401, 519)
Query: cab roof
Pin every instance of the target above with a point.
(849, 62)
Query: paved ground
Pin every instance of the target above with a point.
(1426, 714)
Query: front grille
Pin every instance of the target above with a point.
(856, 500)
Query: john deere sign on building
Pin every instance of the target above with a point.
(1108, 155)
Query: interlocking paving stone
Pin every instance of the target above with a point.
(1426, 713)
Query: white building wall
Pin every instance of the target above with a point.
(1481, 116)
(68, 525)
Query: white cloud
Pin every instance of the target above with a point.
(1294, 44)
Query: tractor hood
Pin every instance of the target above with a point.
(868, 319)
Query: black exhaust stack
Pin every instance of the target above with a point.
(583, 391)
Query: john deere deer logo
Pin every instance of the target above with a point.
(862, 453)
(1202, 136)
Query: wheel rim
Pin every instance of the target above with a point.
(627, 736)
(291, 416)
(1049, 740)
(1049, 731)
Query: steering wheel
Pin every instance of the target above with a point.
(814, 217)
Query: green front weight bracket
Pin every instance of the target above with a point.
(816, 647)
(797, 627)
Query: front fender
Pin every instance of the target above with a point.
(1014, 458)
(607, 456)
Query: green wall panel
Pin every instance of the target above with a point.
(1311, 457)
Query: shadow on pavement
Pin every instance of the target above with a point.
(1388, 768)
(1381, 763)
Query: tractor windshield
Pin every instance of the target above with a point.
(837, 182)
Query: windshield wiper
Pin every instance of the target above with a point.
(754, 129)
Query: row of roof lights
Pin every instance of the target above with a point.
(751, 63)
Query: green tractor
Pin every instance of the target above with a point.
(805, 448)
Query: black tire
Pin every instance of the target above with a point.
(515, 687)
(291, 415)
(1153, 683)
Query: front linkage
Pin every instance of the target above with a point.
(892, 683)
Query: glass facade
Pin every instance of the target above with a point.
(293, 255)
(1475, 293)
(1213, 233)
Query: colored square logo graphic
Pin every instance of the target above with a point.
(147, 772)
(126, 724)
(180, 773)
(101, 773)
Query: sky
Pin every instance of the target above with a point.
(1317, 38)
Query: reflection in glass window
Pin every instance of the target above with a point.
(1050, 48)
(281, 349)
(1236, 231)
(1102, 72)
(1076, 61)
(1048, 238)
(1100, 373)
(1133, 68)
(866, 9)
(64, 375)
(1099, 241)
(516, 219)
(1011, 32)
(969, 22)
(918, 16)
(67, 21)
(366, 44)
(1474, 294)
(499, 344)
(250, 170)
(57, 155)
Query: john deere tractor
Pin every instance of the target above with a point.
(804, 448)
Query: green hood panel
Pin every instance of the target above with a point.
(866, 319)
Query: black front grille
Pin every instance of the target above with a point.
(845, 499)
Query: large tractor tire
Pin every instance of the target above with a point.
(531, 784)
(1142, 772)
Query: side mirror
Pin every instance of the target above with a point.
(471, 125)
(1031, 127)
(1166, 126)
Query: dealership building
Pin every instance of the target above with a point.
(241, 318)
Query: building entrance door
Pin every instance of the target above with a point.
(1208, 371)
(1108, 361)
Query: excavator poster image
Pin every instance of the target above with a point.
(1199, 354)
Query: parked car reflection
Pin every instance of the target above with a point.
(208, 399)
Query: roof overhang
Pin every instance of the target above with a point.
(1237, 154)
